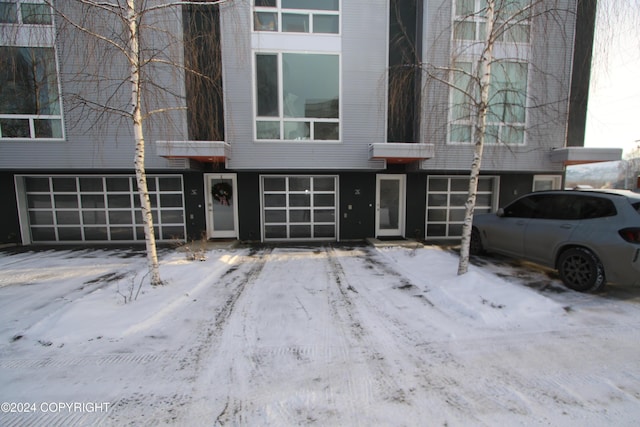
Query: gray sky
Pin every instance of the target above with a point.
(613, 118)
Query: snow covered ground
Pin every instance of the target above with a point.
(327, 335)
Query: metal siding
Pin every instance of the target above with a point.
(363, 94)
(109, 142)
(549, 83)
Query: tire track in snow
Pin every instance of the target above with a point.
(162, 404)
(352, 309)
(412, 369)
(98, 360)
(236, 280)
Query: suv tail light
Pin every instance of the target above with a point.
(631, 235)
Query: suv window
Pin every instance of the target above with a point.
(521, 208)
(542, 206)
(555, 206)
(591, 207)
(561, 206)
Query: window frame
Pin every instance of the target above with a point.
(281, 117)
(19, 14)
(468, 121)
(478, 20)
(279, 12)
(34, 117)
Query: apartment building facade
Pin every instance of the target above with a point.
(307, 120)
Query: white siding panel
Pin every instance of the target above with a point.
(95, 140)
(550, 54)
(363, 96)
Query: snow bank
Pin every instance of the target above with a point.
(478, 296)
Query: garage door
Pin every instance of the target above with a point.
(446, 198)
(299, 207)
(99, 208)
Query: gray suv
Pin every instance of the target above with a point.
(590, 237)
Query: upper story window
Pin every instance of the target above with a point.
(29, 95)
(506, 115)
(512, 20)
(297, 16)
(297, 96)
(25, 12)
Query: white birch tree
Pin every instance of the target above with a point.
(131, 30)
(474, 85)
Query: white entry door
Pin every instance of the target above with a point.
(222, 206)
(390, 205)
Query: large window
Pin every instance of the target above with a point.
(297, 97)
(511, 20)
(506, 116)
(25, 12)
(29, 96)
(297, 16)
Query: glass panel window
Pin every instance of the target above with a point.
(275, 184)
(169, 184)
(275, 216)
(300, 183)
(267, 85)
(267, 130)
(96, 233)
(506, 115)
(38, 201)
(35, 13)
(29, 89)
(15, 128)
(328, 24)
(91, 184)
(41, 217)
(94, 217)
(297, 16)
(265, 21)
(8, 13)
(324, 184)
(511, 21)
(295, 23)
(37, 184)
(65, 202)
(311, 4)
(464, 30)
(299, 231)
(68, 217)
(64, 184)
(300, 216)
(310, 89)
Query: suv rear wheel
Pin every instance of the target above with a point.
(475, 247)
(581, 270)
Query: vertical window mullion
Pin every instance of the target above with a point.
(280, 72)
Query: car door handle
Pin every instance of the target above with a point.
(566, 226)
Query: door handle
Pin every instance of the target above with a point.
(566, 226)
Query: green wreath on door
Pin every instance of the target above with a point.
(222, 193)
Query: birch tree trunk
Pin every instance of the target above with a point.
(136, 113)
(484, 77)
